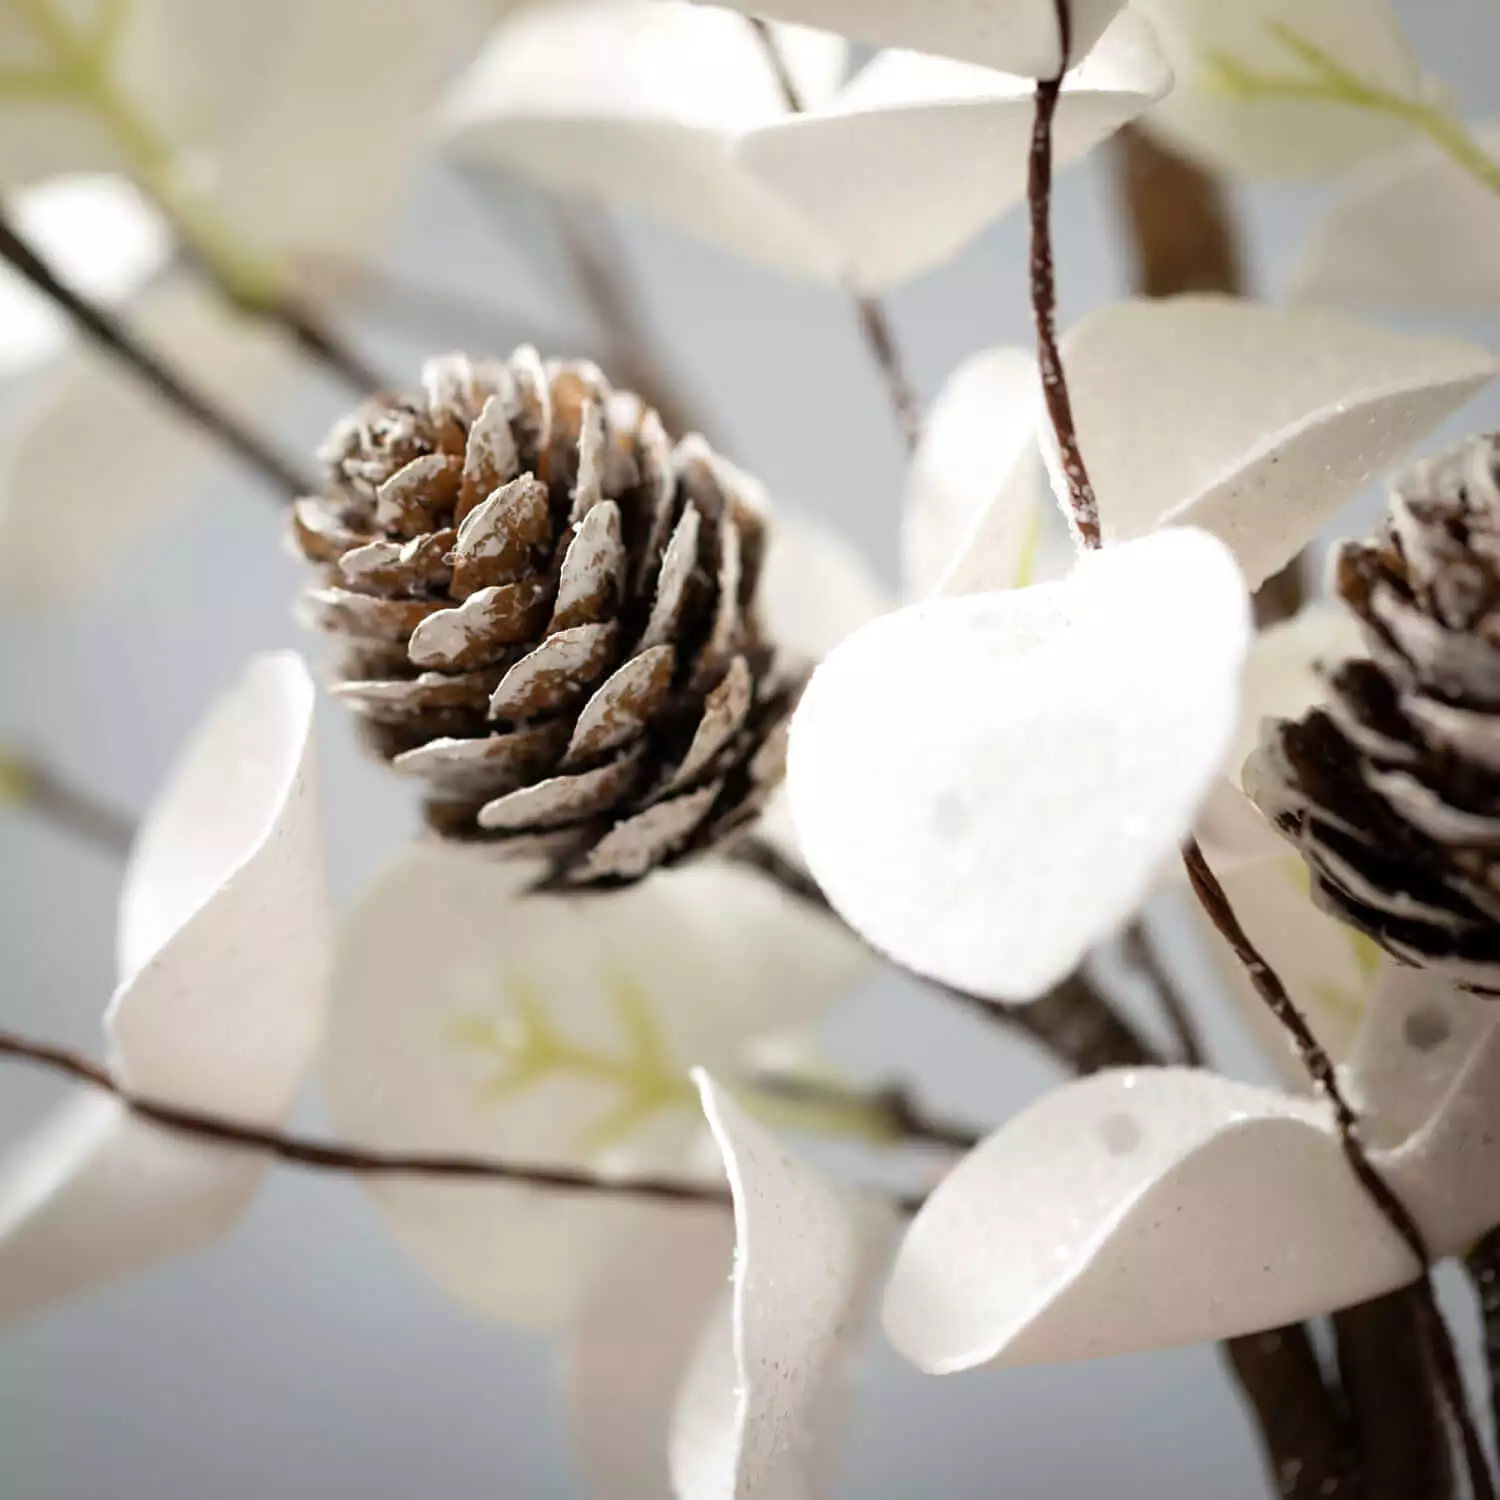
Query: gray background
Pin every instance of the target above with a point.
(303, 1356)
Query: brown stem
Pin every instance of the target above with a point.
(318, 339)
(1483, 1266)
(326, 1156)
(105, 330)
(1084, 509)
(1142, 953)
(1396, 1412)
(1320, 1068)
(597, 263)
(1182, 232)
(1075, 1023)
(874, 321)
(1303, 1430)
(42, 792)
(1082, 504)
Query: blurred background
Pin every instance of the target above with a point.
(304, 1356)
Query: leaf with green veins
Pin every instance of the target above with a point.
(1327, 81)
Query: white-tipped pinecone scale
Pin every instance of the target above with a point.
(547, 610)
(1392, 791)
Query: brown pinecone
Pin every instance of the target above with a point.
(547, 612)
(1392, 791)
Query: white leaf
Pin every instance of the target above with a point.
(224, 938)
(1019, 36)
(1412, 229)
(980, 784)
(763, 1391)
(918, 154)
(1135, 1211)
(639, 102)
(1418, 1036)
(971, 520)
(1254, 423)
(93, 461)
(552, 1030)
(630, 1346)
(1271, 135)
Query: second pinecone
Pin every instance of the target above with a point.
(1392, 790)
(547, 612)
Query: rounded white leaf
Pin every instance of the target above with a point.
(224, 939)
(981, 785)
(762, 1393)
(557, 1030)
(224, 916)
(631, 1343)
(1283, 416)
(1019, 36)
(1135, 1211)
(1412, 229)
(101, 238)
(1418, 1037)
(639, 102)
(918, 154)
(93, 461)
(1267, 134)
(96, 1194)
(1448, 1172)
(816, 588)
(972, 520)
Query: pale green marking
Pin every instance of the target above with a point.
(1326, 81)
(529, 1051)
(1031, 547)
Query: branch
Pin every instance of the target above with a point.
(1396, 1411)
(1325, 1080)
(874, 321)
(1302, 1428)
(1075, 1023)
(173, 388)
(34, 787)
(328, 1156)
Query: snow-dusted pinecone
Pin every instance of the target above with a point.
(548, 615)
(1392, 791)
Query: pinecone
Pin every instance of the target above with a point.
(547, 613)
(1392, 791)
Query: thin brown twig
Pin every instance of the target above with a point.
(874, 320)
(1082, 503)
(1142, 953)
(39, 790)
(328, 1156)
(1074, 1023)
(107, 331)
(1396, 1412)
(1320, 1069)
(597, 262)
(1086, 524)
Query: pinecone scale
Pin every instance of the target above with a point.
(1391, 791)
(546, 611)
